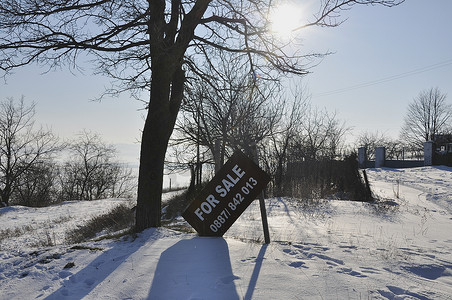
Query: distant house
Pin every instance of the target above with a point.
(443, 143)
(443, 149)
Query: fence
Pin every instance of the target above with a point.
(381, 161)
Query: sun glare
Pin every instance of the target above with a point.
(284, 18)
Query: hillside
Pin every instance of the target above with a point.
(398, 249)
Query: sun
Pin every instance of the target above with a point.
(284, 18)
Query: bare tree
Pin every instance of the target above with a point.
(208, 114)
(124, 182)
(395, 149)
(224, 110)
(148, 45)
(371, 140)
(38, 185)
(275, 149)
(427, 116)
(91, 173)
(22, 146)
(321, 136)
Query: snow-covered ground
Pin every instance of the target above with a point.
(401, 249)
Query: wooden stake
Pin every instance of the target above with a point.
(262, 202)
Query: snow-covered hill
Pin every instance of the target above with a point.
(401, 249)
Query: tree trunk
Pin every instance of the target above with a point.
(150, 178)
(4, 198)
(166, 95)
(167, 86)
(5, 194)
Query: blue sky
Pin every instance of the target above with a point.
(64, 102)
(391, 54)
(383, 57)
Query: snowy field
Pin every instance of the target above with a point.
(401, 249)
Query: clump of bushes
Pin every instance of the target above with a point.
(322, 179)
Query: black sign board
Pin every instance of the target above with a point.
(226, 196)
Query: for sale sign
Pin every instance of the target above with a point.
(226, 196)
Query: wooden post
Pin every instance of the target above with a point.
(261, 201)
(368, 190)
(264, 218)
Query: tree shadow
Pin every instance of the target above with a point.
(442, 168)
(197, 268)
(282, 201)
(256, 271)
(80, 284)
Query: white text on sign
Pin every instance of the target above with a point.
(233, 204)
(211, 202)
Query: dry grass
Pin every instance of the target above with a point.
(119, 219)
